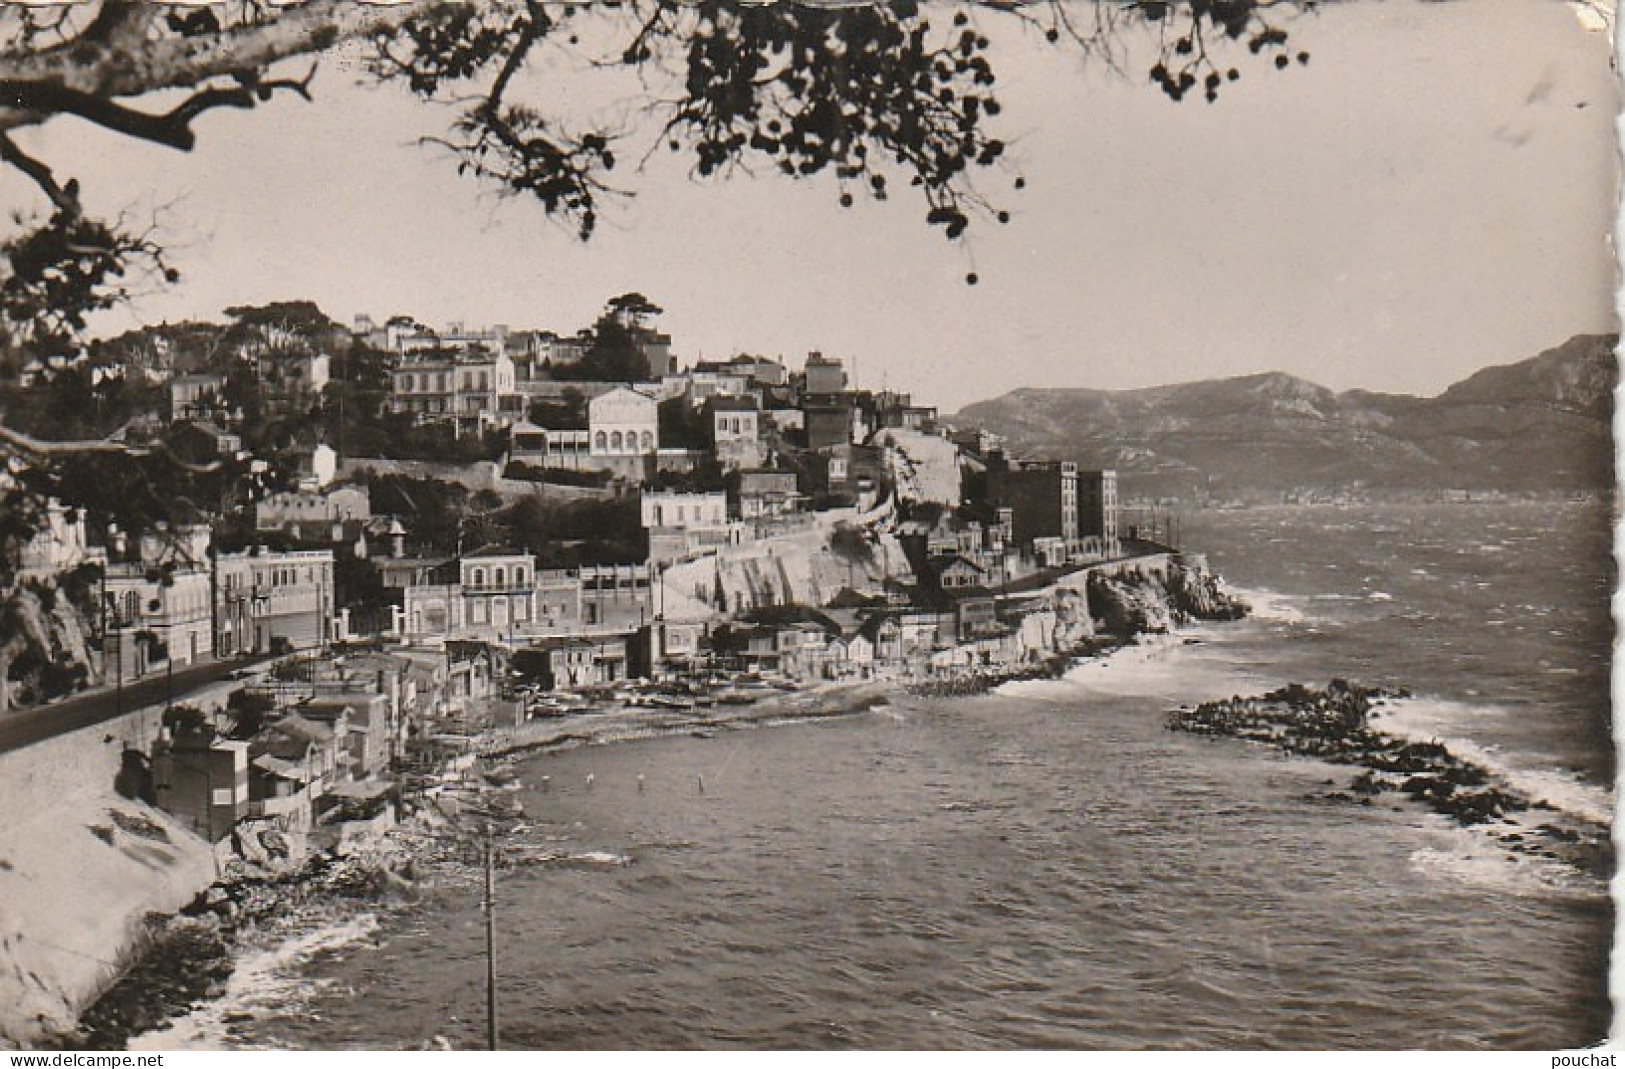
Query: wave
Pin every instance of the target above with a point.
(588, 859)
(1269, 605)
(262, 978)
(1424, 719)
(1472, 857)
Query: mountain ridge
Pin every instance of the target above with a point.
(1540, 424)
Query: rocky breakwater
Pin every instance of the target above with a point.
(1334, 725)
(1155, 597)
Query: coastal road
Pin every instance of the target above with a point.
(28, 726)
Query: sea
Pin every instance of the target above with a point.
(1048, 866)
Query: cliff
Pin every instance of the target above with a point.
(1153, 599)
(800, 567)
(44, 649)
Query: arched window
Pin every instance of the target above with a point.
(601, 441)
(519, 576)
(502, 577)
(479, 576)
(648, 441)
(615, 442)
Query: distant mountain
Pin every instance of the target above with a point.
(1538, 425)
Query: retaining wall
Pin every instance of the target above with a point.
(81, 867)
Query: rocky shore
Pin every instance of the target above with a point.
(190, 957)
(1334, 725)
(1153, 601)
(980, 680)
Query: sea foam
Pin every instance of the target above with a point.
(268, 977)
(1425, 719)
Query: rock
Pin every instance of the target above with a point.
(1333, 725)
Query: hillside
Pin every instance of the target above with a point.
(1537, 425)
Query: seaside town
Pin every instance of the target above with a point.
(372, 555)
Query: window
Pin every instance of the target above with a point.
(648, 441)
(501, 577)
(519, 576)
(479, 576)
(600, 441)
(615, 441)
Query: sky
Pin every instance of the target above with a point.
(1433, 193)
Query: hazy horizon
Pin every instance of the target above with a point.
(1431, 194)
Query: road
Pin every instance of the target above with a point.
(29, 726)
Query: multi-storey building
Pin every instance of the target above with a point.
(1042, 497)
(736, 432)
(196, 396)
(494, 596)
(292, 381)
(474, 389)
(829, 424)
(683, 524)
(203, 780)
(498, 589)
(267, 601)
(624, 422)
(824, 375)
(1097, 512)
(159, 608)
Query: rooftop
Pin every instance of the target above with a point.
(491, 549)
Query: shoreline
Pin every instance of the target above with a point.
(1341, 725)
(194, 959)
(631, 723)
(413, 860)
(218, 928)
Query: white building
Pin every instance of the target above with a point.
(268, 600)
(686, 511)
(495, 596)
(312, 513)
(685, 524)
(160, 609)
(476, 388)
(624, 422)
(59, 543)
(736, 432)
(498, 588)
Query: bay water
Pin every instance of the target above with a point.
(1048, 865)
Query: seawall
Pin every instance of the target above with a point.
(81, 868)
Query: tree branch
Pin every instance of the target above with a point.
(172, 128)
(65, 198)
(122, 59)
